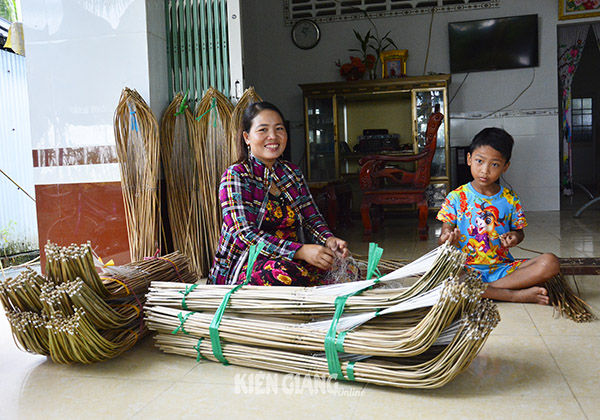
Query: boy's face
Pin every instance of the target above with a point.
(487, 164)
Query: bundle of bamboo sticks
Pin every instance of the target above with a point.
(249, 97)
(195, 152)
(370, 331)
(181, 157)
(75, 314)
(136, 135)
(214, 157)
(563, 298)
(565, 302)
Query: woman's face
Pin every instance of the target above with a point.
(267, 137)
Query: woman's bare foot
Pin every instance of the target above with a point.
(535, 294)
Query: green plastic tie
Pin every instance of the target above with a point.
(182, 319)
(212, 106)
(375, 253)
(253, 253)
(188, 290)
(213, 330)
(183, 104)
(350, 371)
(197, 348)
(333, 344)
(333, 360)
(339, 341)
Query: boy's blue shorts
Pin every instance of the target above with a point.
(493, 272)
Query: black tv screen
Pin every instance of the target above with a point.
(493, 44)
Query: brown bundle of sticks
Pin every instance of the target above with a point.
(563, 299)
(249, 97)
(181, 157)
(136, 135)
(417, 337)
(214, 156)
(75, 314)
(565, 302)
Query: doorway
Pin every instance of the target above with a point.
(585, 129)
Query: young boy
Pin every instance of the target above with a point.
(485, 219)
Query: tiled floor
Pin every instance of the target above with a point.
(533, 365)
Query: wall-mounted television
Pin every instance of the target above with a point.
(493, 44)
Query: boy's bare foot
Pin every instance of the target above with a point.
(535, 294)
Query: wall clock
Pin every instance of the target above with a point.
(306, 34)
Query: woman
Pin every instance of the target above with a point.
(265, 199)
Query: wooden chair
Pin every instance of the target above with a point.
(382, 184)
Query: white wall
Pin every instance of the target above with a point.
(80, 55)
(275, 67)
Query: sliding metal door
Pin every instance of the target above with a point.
(204, 47)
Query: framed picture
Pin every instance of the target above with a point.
(393, 63)
(573, 9)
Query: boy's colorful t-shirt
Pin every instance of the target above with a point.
(481, 220)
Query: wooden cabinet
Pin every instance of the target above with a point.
(335, 115)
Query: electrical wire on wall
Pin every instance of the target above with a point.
(459, 87)
(504, 107)
(428, 41)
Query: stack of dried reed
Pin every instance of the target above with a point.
(563, 298)
(565, 302)
(195, 153)
(432, 269)
(181, 157)
(214, 155)
(136, 135)
(249, 97)
(420, 337)
(75, 314)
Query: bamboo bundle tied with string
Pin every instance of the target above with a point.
(418, 337)
(180, 151)
(137, 141)
(450, 355)
(565, 302)
(75, 314)
(248, 97)
(213, 157)
(431, 269)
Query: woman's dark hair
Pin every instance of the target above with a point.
(496, 138)
(249, 114)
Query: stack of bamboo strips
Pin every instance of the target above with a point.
(444, 262)
(181, 158)
(195, 152)
(565, 302)
(249, 97)
(74, 314)
(563, 298)
(136, 135)
(214, 157)
(420, 336)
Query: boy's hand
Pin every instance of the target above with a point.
(510, 239)
(449, 233)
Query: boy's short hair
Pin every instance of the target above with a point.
(496, 138)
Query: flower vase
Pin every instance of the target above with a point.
(354, 75)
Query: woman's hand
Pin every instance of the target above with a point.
(337, 245)
(317, 255)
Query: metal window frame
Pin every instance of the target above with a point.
(323, 11)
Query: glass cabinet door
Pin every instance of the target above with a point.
(320, 134)
(425, 101)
